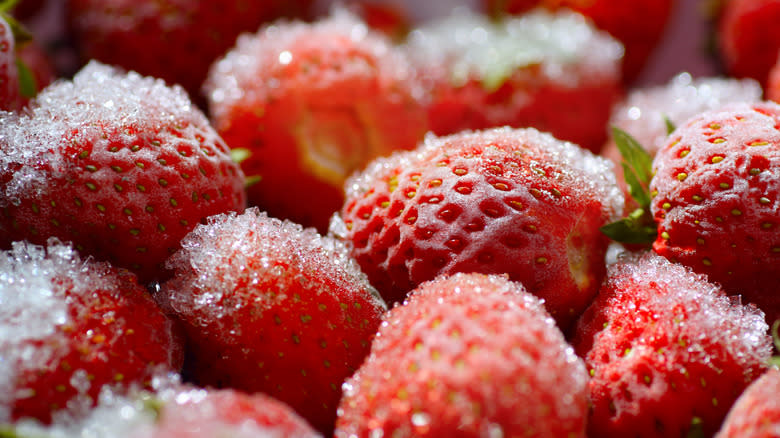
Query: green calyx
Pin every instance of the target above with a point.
(638, 227)
(28, 86)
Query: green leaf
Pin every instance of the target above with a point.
(775, 335)
(669, 125)
(28, 86)
(238, 155)
(638, 228)
(637, 166)
(21, 34)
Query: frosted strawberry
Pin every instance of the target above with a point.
(465, 356)
(748, 37)
(310, 103)
(175, 40)
(756, 413)
(501, 201)
(551, 71)
(271, 307)
(70, 326)
(646, 112)
(121, 165)
(667, 351)
(638, 25)
(173, 410)
(715, 199)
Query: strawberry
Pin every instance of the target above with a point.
(120, 165)
(500, 201)
(715, 202)
(666, 350)
(391, 19)
(465, 356)
(269, 306)
(523, 72)
(638, 25)
(748, 39)
(647, 112)
(70, 326)
(173, 410)
(756, 413)
(309, 103)
(175, 40)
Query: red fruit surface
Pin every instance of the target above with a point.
(10, 98)
(271, 307)
(501, 201)
(749, 38)
(468, 355)
(70, 326)
(123, 166)
(551, 71)
(175, 40)
(310, 104)
(773, 86)
(756, 413)
(664, 347)
(639, 25)
(716, 196)
(37, 61)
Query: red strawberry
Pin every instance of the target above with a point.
(122, 166)
(499, 201)
(553, 72)
(271, 307)
(647, 111)
(175, 40)
(70, 326)
(749, 38)
(392, 19)
(639, 25)
(174, 410)
(756, 413)
(310, 104)
(465, 356)
(666, 349)
(716, 199)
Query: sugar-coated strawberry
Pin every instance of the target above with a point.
(310, 103)
(666, 349)
(501, 201)
(639, 25)
(121, 165)
(748, 37)
(551, 71)
(646, 112)
(269, 306)
(756, 413)
(175, 40)
(70, 326)
(465, 356)
(171, 409)
(716, 195)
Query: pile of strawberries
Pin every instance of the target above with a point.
(279, 218)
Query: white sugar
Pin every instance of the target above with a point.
(564, 44)
(643, 112)
(98, 100)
